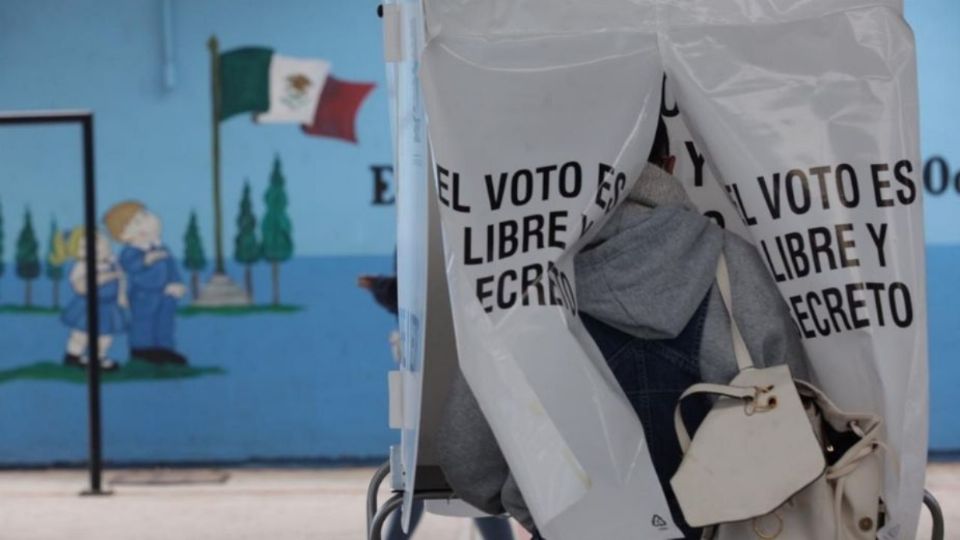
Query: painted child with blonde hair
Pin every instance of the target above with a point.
(111, 300)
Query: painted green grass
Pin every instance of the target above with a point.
(20, 309)
(134, 370)
(237, 311)
(186, 311)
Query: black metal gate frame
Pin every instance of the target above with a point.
(84, 119)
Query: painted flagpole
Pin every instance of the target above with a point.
(214, 47)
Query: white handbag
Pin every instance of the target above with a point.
(776, 459)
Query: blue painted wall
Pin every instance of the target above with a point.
(935, 24)
(300, 385)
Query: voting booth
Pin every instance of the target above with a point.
(525, 123)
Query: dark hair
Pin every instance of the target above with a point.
(661, 144)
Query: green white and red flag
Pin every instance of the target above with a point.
(284, 89)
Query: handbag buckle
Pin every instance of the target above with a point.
(761, 401)
(768, 534)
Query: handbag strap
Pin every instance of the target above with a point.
(744, 361)
(737, 392)
(740, 351)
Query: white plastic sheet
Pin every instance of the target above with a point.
(403, 40)
(541, 114)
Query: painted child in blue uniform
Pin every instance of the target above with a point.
(154, 283)
(111, 301)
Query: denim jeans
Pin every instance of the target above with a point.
(653, 373)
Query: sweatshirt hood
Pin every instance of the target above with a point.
(653, 262)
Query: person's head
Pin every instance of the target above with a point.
(77, 244)
(660, 152)
(130, 222)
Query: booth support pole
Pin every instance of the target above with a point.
(93, 313)
(85, 120)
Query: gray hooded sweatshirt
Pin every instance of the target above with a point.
(646, 273)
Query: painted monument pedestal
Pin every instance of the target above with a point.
(222, 291)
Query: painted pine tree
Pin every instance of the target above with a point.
(194, 259)
(276, 230)
(246, 247)
(56, 257)
(28, 258)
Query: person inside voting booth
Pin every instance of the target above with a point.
(647, 295)
(541, 118)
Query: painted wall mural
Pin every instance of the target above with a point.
(229, 241)
(141, 286)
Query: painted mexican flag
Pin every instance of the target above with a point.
(283, 89)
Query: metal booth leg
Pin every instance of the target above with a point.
(396, 501)
(376, 524)
(936, 513)
(372, 491)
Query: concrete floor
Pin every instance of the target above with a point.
(247, 505)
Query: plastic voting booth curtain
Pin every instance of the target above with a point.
(798, 122)
(403, 39)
